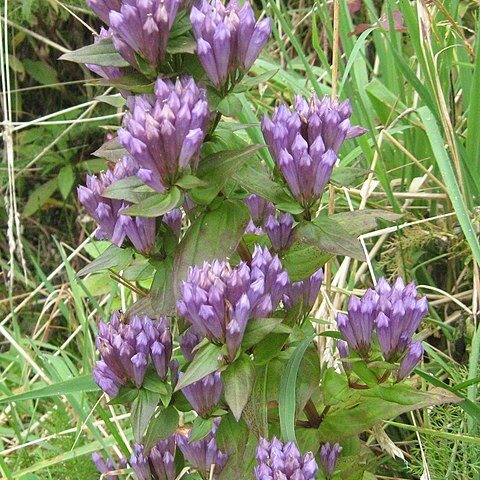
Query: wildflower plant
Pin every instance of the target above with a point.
(217, 361)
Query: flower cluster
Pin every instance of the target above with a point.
(125, 349)
(218, 300)
(203, 453)
(329, 456)
(228, 38)
(164, 132)
(107, 212)
(306, 290)
(108, 466)
(205, 394)
(138, 26)
(159, 464)
(279, 461)
(395, 314)
(304, 143)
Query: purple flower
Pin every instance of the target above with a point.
(304, 143)
(259, 208)
(344, 352)
(280, 232)
(143, 26)
(409, 362)
(107, 466)
(107, 212)
(174, 220)
(103, 7)
(218, 299)
(159, 464)
(228, 37)
(104, 72)
(203, 453)
(139, 462)
(164, 132)
(126, 349)
(307, 290)
(278, 461)
(188, 341)
(329, 456)
(205, 394)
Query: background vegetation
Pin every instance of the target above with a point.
(412, 73)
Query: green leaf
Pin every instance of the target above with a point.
(116, 100)
(255, 411)
(201, 428)
(363, 221)
(345, 176)
(264, 77)
(111, 150)
(253, 178)
(39, 197)
(80, 384)
(269, 348)
(257, 329)
(238, 381)
(41, 72)
(124, 189)
(66, 180)
(102, 53)
(181, 44)
(162, 292)
(216, 169)
(207, 360)
(376, 404)
(161, 427)
(287, 397)
(125, 395)
(156, 205)
(190, 181)
(214, 234)
(301, 261)
(113, 256)
(155, 384)
(329, 236)
(143, 409)
(335, 387)
(230, 106)
(132, 82)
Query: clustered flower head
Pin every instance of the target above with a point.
(159, 464)
(218, 299)
(205, 394)
(164, 132)
(277, 461)
(108, 212)
(329, 456)
(307, 290)
(108, 466)
(304, 143)
(126, 348)
(395, 313)
(140, 26)
(204, 453)
(260, 209)
(228, 37)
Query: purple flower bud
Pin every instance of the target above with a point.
(227, 37)
(162, 459)
(164, 132)
(205, 394)
(278, 461)
(260, 209)
(411, 359)
(140, 26)
(218, 300)
(174, 220)
(329, 456)
(188, 341)
(344, 352)
(307, 290)
(305, 142)
(203, 453)
(125, 349)
(108, 466)
(140, 464)
(280, 232)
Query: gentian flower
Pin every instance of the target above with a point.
(126, 349)
(205, 394)
(203, 453)
(108, 213)
(304, 143)
(280, 232)
(164, 132)
(218, 300)
(159, 464)
(108, 466)
(228, 37)
(329, 456)
(307, 290)
(278, 461)
(188, 341)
